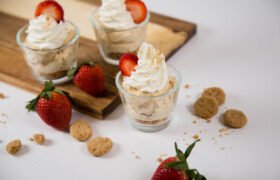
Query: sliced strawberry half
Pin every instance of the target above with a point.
(51, 8)
(127, 64)
(137, 9)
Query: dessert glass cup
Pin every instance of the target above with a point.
(150, 113)
(50, 64)
(113, 43)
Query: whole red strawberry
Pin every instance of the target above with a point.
(53, 106)
(177, 168)
(89, 78)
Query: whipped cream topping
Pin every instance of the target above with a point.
(150, 74)
(113, 14)
(44, 32)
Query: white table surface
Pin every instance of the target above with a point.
(237, 47)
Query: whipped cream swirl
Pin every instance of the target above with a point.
(150, 74)
(113, 14)
(44, 32)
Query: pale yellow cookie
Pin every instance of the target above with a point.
(80, 130)
(206, 107)
(216, 93)
(235, 118)
(39, 138)
(13, 147)
(99, 146)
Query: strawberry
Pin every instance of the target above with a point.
(177, 168)
(137, 9)
(51, 8)
(89, 78)
(53, 106)
(127, 64)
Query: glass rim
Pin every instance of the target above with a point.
(92, 21)
(72, 41)
(174, 89)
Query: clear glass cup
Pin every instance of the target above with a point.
(113, 43)
(50, 64)
(150, 113)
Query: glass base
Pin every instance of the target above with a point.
(61, 80)
(150, 128)
(108, 59)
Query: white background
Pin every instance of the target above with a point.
(237, 47)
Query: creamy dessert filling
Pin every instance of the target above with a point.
(114, 15)
(44, 32)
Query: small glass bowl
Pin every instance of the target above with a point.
(150, 113)
(50, 64)
(113, 43)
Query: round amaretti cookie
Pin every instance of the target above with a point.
(13, 147)
(99, 146)
(206, 107)
(235, 118)
(80, 130)
(216, 93)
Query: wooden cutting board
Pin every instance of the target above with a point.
(168, 34)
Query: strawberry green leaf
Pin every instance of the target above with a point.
(189, 149)
(180, 155)
(177, 165)
(48, 86)
(31, 105)
(193, 174)
(71, 73)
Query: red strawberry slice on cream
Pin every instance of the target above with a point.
(51, 8)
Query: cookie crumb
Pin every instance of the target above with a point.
(99, 146)
(2, 96)
(208, 120)
(3, 122)
(159, 160)
(137, 157)
(194, 122)
(31, 139)
(14, 146)
(187, 86)
(196, 137)
(39, 138)
(80, 130)
(222, 148)
(185, 133)
(223, 130)
(4, 115)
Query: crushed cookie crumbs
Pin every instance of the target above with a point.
(196, 137)
(159, 160)
(2, 96)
